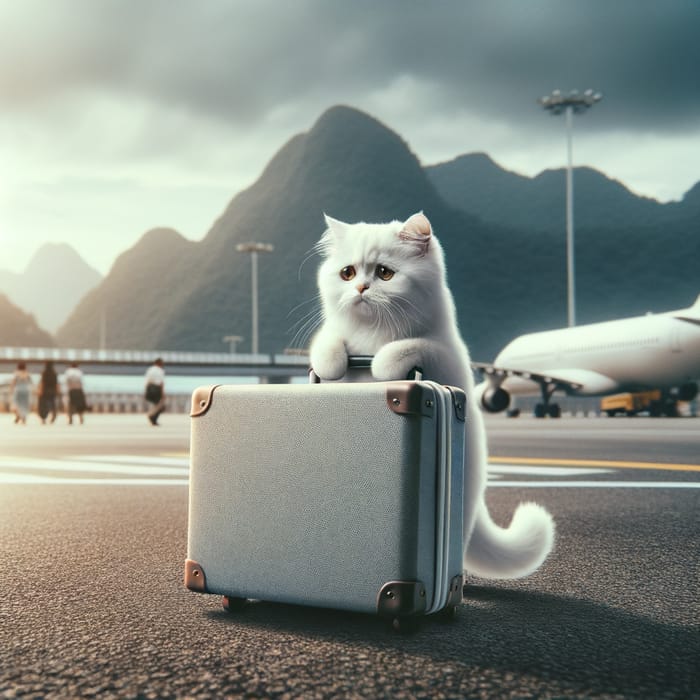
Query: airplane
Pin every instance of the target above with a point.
(652, 352)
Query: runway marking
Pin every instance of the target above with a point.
(495, 470)
(526, 461)
(172, 469)
(123, 470)
(599, 484)
(164, 461)
(70, 480)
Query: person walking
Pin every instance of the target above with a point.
(73, 377)
(48, 393)
(21, 393)
(155, 390)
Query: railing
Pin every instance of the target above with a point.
(146, 357)
(108, 403)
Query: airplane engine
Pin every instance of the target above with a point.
(492, 399)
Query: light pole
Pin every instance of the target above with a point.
(254, 248)
(573, 103)
(232, 340)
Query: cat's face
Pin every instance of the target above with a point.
(379, 275)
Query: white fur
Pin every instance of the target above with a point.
(410, 321)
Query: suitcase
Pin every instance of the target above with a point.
(339, 495)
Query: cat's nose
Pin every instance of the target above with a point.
(361, 287)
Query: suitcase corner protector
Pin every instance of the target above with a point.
(195, 579)
(201, 400)
(410, 398)
(456, 595)
(402, 598)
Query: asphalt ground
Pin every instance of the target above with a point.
(93, 533)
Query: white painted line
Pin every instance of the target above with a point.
(16, 464)
(533, 470)
(120, 470)
(598, 484)
(54, 480)
(134, 459)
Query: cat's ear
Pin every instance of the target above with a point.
(334, 233)
(335, 227)
(418, 231)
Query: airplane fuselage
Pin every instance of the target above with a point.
(654, 351)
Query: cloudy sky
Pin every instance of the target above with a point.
(117, 116)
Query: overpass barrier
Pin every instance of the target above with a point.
(107, 403)
(146, 357)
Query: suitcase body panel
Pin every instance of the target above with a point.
(328, 495)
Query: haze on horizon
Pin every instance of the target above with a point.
(120, 116)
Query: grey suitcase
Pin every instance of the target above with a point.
(339, 495)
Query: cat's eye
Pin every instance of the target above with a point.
(347, 273)
(384, 273)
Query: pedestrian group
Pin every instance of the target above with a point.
(49, 397)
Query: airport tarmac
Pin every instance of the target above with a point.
(93, 528)
(124, 446)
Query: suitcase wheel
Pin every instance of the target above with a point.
(232, 604)
(405, 625)
(448, 614)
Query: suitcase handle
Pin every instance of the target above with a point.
(360, 361)
(364, 362)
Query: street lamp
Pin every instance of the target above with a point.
(573, 103)
(232, 340)
(254, 248)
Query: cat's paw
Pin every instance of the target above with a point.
(330, 365)
(395, 361)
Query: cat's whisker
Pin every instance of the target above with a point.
(412, 314)
(387, 317)
(399, 317)
(304, 327)
(312, 252)
(315, 300)
(395, 320)
(302, 337)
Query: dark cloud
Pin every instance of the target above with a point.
(239, 59)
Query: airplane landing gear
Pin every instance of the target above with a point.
(545, 408)
(553, 410)
(663, 407)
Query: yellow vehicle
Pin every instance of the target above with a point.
(632, 404)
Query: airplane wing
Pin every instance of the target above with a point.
(543, 379)
(573, 381)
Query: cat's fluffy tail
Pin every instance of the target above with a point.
(513, 552)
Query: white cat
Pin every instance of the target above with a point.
(384, 293)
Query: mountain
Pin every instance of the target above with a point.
(130, 304)
(53, 282)
(633, 254)
(507, 274)
(348, 165)
(476, 184)
(20, 329)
